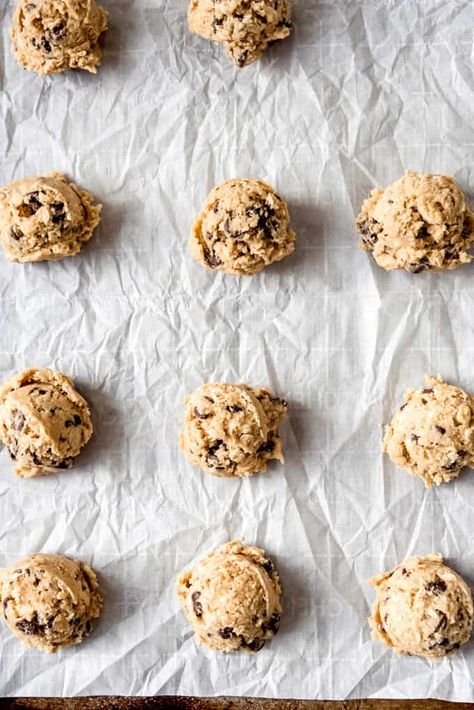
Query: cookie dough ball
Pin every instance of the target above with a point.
(45, 218)
(49, 601)
(418, 223)
(232, 430)
(243, 226)
(244, 27)
(49, 36)
(423, 608)
(44, 422)
(432, 434)
(231, 598)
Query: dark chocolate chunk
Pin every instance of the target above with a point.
(367, 234)
(46, 45)
(418, 267)
(403, 407)
(31, 627)
(437, 586)
(197, 606)
(234, 408)
(273, 624)
(211, 458)
(226, 633)
(427, 390)
(242, 59)
(15, 232)
(457, 463)
(443, 621)
(422, 232)
(254, 645)
(198, 414)
(441, 429)
(415, 438)
(212, 259)
(77, 420)
(269, 568)
(5, 602)
(268, 447)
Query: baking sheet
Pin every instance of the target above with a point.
(360, 92)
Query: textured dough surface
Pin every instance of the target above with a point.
(45, 218)
(432, 434)
(50, 36)
(44, 422)
(243, 227)
(231, 598)
(423, 608)
(244, 27)
(232, 430)
(49, 601)
(418, 223)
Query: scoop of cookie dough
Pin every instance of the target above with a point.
(243, 227)
(44, 422)
(244, 27)
(432, 434)
(231, 598)
(232, 430)
(50, 36)
(419, 223)
(49, 601)
(45, 218)
(423, 608)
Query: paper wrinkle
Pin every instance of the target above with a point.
(359, 92)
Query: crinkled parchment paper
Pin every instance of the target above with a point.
(360, 92)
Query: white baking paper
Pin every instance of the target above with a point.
(360, 92)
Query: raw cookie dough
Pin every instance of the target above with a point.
(49, 601)
(232, 430)
(231, 598)
(419, 223)
(423, 608)
(50, 36)
(45, 218)
(44, 422)
(432, 434)
(243, 227)
(244, 27)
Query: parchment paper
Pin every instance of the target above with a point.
(360, 92)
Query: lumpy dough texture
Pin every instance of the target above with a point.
(44, 422)
(432, 434)
(418, 223)
(50, 36)
(231, 598)
(45, 218)
(244, 27)
(49, 601)
(423, 608)
(243, 227)
(232, 430)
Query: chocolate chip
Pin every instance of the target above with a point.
(422, 232)
(77, 420)
(415, 438)
(403, 407)
(46, 45)
(441, 429)
(36, 460)
(64, 464)
(437, 586)
(234, 408)
(239, 16)
(262, 19)
(418, 267)
(18, 420)
(211, 458)
(242, 59)
(58, 30)
(273, 624)
(405, 572)
(5, 602)
(368, 236)
(198, 414)
(57, 211)
(33, 200)
(212, 259)
(268, 446)
(197, 606)
(269, 568)
(15, 232)
(226, 633)
(31, 627)
(254, 645)
(443, 621)
(457, 463)
(286, 23)
(427, 390)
